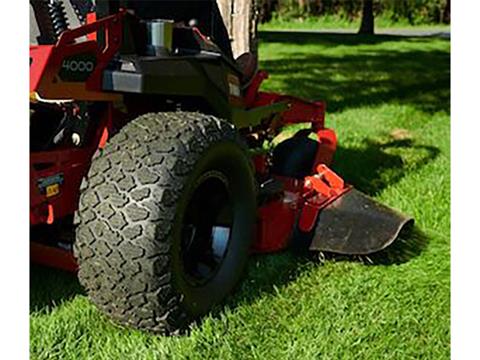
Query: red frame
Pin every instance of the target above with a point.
(46, 61)
(51, 256)
(73, 163)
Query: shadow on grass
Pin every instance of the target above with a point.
(268, 273)
(410, 243)
(404, 75)
(374, 165)
(305, 37)
(50, 287)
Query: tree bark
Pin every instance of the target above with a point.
(446, 13)
(367, 26)
(301, 5)
(240, 18)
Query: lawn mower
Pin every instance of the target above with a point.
(151, 167)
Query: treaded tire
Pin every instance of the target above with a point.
(129, 221)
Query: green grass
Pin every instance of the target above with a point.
(388, 100)
(330, 22)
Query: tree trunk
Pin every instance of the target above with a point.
(266, 9)
(446, 13)
(301, 5)
(240, 18)
(367, 26)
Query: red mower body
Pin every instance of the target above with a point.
(56, 174)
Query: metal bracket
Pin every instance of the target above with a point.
(320, 190)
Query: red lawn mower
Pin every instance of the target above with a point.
(149, 170)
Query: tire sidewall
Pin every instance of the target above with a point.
(228, 158)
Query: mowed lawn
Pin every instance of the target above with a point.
(388, 100)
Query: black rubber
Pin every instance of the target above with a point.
(130, 215)
(295, 156)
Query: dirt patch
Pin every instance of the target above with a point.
(401, 134)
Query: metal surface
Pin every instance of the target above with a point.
(159, 36)
(357, 224)
(52, 256)
(47, 61)
(73, 163)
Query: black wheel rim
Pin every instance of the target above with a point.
(206, 228)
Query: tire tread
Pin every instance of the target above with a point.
(126, 212)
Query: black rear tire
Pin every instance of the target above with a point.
(159, 180)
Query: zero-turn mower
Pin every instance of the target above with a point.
(149, 173)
